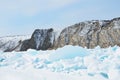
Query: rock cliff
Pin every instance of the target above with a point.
(103, 33)
(91, 34)
(41, 39)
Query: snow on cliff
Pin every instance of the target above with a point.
(10, 43)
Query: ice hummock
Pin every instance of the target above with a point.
(67, 63)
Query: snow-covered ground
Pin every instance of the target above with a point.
(10, 43)
(67, 63)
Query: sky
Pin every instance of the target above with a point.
(22, 17)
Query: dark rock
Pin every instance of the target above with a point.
(41, 39)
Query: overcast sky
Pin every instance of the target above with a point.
(18, 17)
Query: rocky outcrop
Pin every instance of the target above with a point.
(91, 34)
(41, 39)
(88, 34)
(12, 43)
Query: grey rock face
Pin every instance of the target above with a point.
(91, 34)
(41, 39)
(88, 34)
